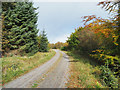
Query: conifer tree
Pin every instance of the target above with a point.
(6, 8)
(20, 24)
(0, 30)
(43, 42)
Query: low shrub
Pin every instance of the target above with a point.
(108, 77)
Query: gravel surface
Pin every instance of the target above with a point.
(58, 77)
(43, 76)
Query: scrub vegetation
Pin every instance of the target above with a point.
(99, 40)
(12, 67)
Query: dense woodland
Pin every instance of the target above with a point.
(100, 39)
(20, 31)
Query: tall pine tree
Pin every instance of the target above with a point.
(43, 43)
(6, 8)
(0, 29)
(20, 25)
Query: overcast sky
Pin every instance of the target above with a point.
(60, 18)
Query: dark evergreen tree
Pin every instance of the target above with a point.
(43, 44)
(7, 7)
(20, 25)
(38, 40)
(0, 29)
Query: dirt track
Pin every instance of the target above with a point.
(52, 74)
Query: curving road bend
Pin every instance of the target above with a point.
(52, 74)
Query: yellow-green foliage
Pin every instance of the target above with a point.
(106, 58)
(15, 66)
(109, 63)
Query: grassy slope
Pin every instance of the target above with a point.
(13, 67)
(84, 72)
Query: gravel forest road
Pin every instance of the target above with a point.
(52, 74)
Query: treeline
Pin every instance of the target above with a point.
(58, 45)
(19, 29)
(100, 39)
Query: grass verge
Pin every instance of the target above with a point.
(84, 73)
(12, 67)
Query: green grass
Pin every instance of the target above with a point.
(84, 72)
(12, 67)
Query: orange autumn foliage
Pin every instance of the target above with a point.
(99, 26)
